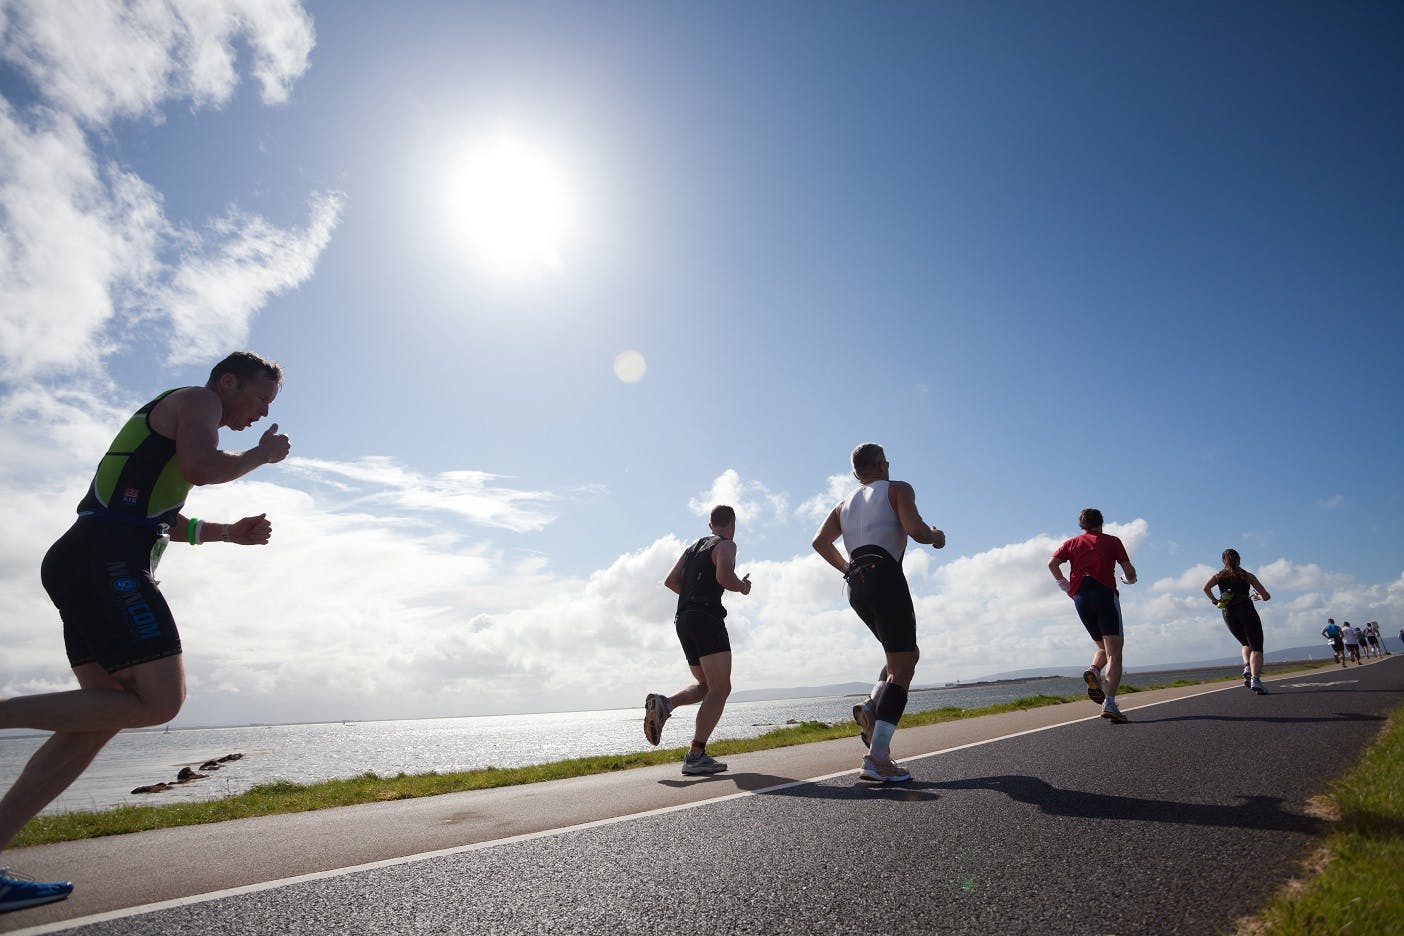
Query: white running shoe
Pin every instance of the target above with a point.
(1109, 710)
(883, 771)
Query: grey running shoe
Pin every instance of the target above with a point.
(1094, 686)
(1247, 677)
(655, 714)
(1258, 687)
(864, 713)
(704, 763)
(883, 771)
(1109, 710)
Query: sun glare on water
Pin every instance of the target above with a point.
(510, 208)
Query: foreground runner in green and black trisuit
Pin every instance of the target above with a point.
(120, 636)
(875, 521)
(702, 573)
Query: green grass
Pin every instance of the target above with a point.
(1357, 885)
(285, 797)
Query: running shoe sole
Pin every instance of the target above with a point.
(1115, 716)
(864, 719)
(873, 774)
(1094, 687)
(655, 714)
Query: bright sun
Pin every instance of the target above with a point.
(510, 207)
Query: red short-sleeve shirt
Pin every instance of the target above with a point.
(1094, 554)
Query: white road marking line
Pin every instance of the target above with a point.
(111, 915)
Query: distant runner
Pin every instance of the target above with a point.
(1092, 586)
(702, 573)
(1238, 589)
(1332, 632)
(119, 633)
(1351, 636)
(1372, 637)
(875, 521)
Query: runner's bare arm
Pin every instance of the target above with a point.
(823, 543)
(197, 414)
(902, 496)
(724, 558)
(1209, 586)
(1055, 565)
(1262, 592)
(674, 580)
(250, 531)
(1128, 572)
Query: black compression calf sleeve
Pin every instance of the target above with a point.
(891, 703)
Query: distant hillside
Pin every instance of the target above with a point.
(1287, 655)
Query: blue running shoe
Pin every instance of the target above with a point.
(17, 892)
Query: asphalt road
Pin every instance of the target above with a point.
(1182, 821)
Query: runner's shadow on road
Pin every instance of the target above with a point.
(1339, 718)
(1252, 812)
(913, 791)
(750, 782)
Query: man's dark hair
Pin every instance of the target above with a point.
(1090, 519)
(723, 515)
(867, 457)
(244, 365)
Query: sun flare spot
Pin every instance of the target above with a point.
(630, 366)
(510, 207)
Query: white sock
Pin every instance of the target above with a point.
(881, 748)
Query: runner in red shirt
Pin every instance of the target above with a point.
(1092, 587)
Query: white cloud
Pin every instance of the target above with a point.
(817, 507)
(1191, 580)
(377, 481)
(72, 233)
(86, 250)
(1331, 503)
(242, 261)
(752, 501)
(98, 60)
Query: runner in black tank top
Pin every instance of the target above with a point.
(704, 570)
(1238, 589)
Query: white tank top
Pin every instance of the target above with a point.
(867, 519)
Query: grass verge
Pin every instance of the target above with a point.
(286, 797)
(1355, 884)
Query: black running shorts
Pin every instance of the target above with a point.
(98, 575)
(878, 592)
(1099, 608)
(1245, 625)
(701, 634)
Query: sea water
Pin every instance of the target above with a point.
(306, 753)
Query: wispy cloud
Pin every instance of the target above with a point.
(378, 481)
(85, 234)
(1331, 503)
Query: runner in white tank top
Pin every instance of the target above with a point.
(875, 521)
(867, 519)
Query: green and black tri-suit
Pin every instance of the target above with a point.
(98, 574)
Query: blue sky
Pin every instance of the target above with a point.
(1142, 258)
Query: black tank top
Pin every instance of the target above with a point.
(700, 590)
(1235, 587)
